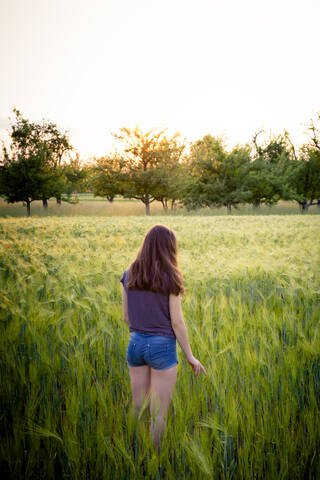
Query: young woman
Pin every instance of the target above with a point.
(151, 299)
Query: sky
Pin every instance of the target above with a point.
(226, 67)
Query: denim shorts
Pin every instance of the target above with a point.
(154, 350)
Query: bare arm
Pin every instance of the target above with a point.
(125, 306)
(181, 333)
(178, 324)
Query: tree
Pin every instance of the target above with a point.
(169, 172)
(58, 145)
(23, 178)
(305, 172)
(305, 179)
(145, 152)
(313, 131)
(29, 140)
(268, 177)
(201, 166)
(76, 174)
(217, 177)
(169, 183)
(106, 179)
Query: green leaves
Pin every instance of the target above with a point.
(32, 170)
(150, 168)
(218, 177)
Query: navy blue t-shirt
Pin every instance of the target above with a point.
(148, 311)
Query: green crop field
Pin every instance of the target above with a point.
(251, 307)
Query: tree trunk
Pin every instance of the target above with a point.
(172, 204)
(229, 208)
(45, 203)
(58, 201)
(28, 207)
(318, 203)
(147, 204)
(256, 204)
(164, 204)
(304, 207)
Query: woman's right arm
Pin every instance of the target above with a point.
(181, 333)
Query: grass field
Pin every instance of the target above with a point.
(252, 308)
(89, 205)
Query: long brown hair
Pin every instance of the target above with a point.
(156, 258)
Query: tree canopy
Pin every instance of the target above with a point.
(149, 157)
(154, 166)
(217, 177)
(32, 169)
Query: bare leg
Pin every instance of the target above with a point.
(161, 389)
(140, 385)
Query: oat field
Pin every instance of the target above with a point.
(252, 308)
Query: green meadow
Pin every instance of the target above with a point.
(251, 307)
(88, 205)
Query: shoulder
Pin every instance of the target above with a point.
(124, 277)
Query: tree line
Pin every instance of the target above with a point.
(152, 165)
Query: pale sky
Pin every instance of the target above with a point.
(222, 67)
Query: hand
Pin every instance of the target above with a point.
(196, 366)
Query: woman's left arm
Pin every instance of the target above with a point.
(125, 306)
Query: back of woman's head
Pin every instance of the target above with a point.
(156, 265)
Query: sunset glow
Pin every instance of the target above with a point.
(196, 67)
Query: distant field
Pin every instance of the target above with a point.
(252, 308)
(89, 205)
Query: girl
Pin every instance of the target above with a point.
(151, 299)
